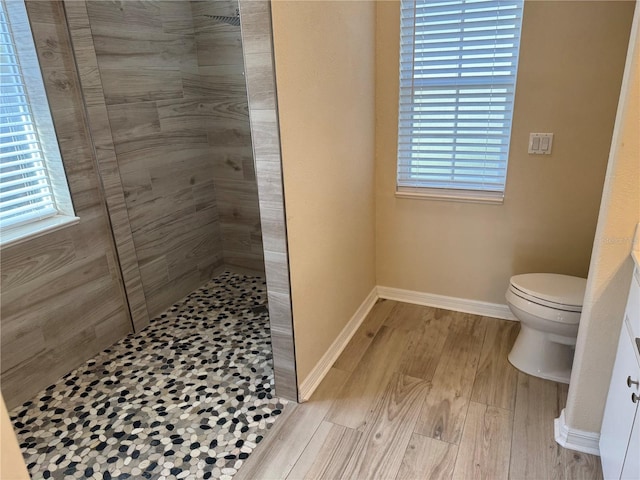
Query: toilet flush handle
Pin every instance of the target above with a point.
(632, 382)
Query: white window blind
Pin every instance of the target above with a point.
(29, 155)
(458, 65)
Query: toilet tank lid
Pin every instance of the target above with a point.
(553, 287)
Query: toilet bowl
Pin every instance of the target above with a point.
(548, 306)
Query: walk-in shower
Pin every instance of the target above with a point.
(157, 115)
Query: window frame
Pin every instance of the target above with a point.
(447, 190)
(33, 81)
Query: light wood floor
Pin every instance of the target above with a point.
(423, 393)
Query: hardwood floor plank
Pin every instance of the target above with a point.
(407, 316)
(363, 337)
(391, 425)
(427, 458)
(444, 411)
(486, 444)
(496, 379)
(443, 415)
(281, 449)
(378, 453)
(368, 381)
(468, 324)
(423, 353)
(581, 466)
(534, 452)
(327, 453)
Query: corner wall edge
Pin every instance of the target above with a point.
(574, 439)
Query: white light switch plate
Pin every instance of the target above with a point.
(540, 143)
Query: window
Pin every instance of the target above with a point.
(458, 64)
(34, 196)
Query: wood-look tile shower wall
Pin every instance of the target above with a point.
(176, 99)
(61, 300)
(261, 87)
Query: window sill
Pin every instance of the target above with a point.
(467, 196)
(12, 236)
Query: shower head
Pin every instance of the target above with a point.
(230, 20)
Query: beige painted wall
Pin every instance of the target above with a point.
(324, 54)
(571, 62)
(611, 266)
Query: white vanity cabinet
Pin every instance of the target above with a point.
(620, 433)
(631, 466)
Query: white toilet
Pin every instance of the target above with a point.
(548, 306)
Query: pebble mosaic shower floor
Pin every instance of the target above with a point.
(188, 397)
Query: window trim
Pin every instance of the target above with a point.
(28, 231)
(467, 196)
(43, 122)
(450, 193)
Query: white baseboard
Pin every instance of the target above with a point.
(465, 305)
(308, 386)
(574, 439)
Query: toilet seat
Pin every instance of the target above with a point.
(533, 307)
(560, 292)
(544, 303)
